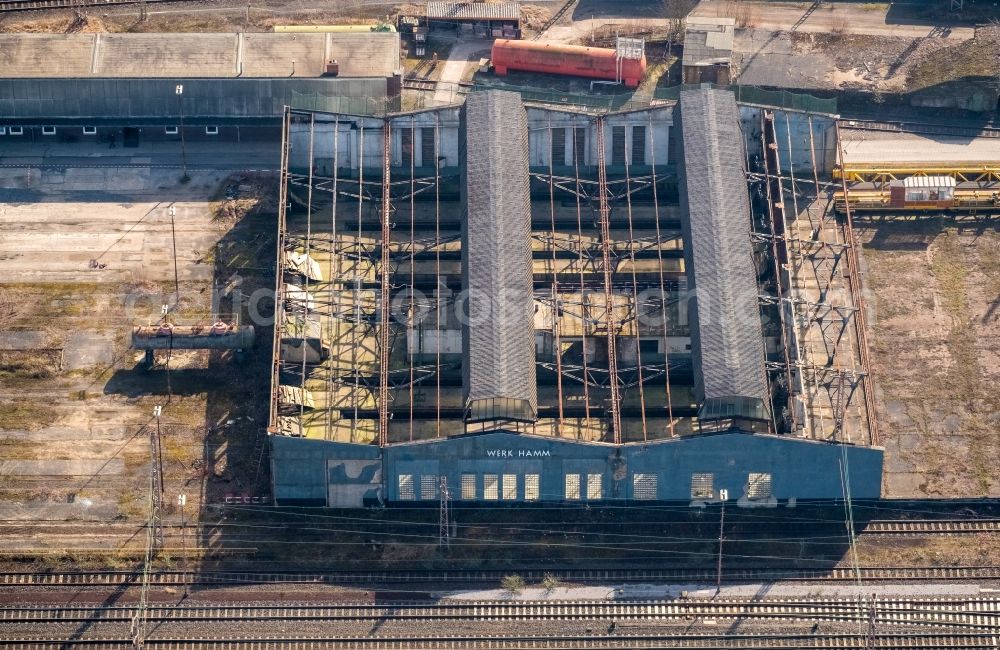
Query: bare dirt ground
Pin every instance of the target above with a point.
(935, 294)
(872, 19)
(836, 46)
(81, 265)
(893, 63)
(200, 16)
(833, 60)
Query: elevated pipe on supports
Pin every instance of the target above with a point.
(219, 336)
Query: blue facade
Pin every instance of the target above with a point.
(501, 467)
(798, 468)
(320, 473)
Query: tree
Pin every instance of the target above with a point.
(513, 583)
(675, 11)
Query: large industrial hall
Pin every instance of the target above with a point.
(567, 310)
(157, 87)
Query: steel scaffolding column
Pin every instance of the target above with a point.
(779, 249)
(609, 301)
(860, 321)
(384, 288)
(272, 425)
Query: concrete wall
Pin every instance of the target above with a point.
(444, 122)
(976, 94)
(792, 129)
(541, 122)
(363, 135)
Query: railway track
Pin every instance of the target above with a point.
(918, 127)
(932, 526)
(41, 5)
(874, 527)
(969, 613)
(446, 577)
(419, 84)
(430, 85)
(903, 641)
(556, 17)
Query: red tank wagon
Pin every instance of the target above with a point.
(574, 60)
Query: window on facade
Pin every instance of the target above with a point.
(594, 487)
(89, 130)
(531, 487)
(509, 486)
(649, 346)
(428, 149)
(572, 486)
(3, 130)
(558, 147)
(16, 130)
(644, 486)
(211, 130)
(48, 130)
(428, 487)
(702, 486)
(638, 145)
(759, 486)
(618, 145)
(170, 130)
(406, 492)
(406, 147)
(468, 486)
(580, 145)
(490, 488)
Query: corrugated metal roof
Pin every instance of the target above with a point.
(261, 55)
(727, 339)
(929, 181)
(863, 146)
(498, 363)
(156, 98)
(474, 10)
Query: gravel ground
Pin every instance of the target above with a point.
(434, 629)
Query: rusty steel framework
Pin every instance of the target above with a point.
(603, 257)
(556, 324)
(662, 282)
(345, 306)
(370, 393)
(860, 320)
(823, 330)
(272, 425)
(779, 251)
(609, 301)
(621, 304)
(384, 287)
